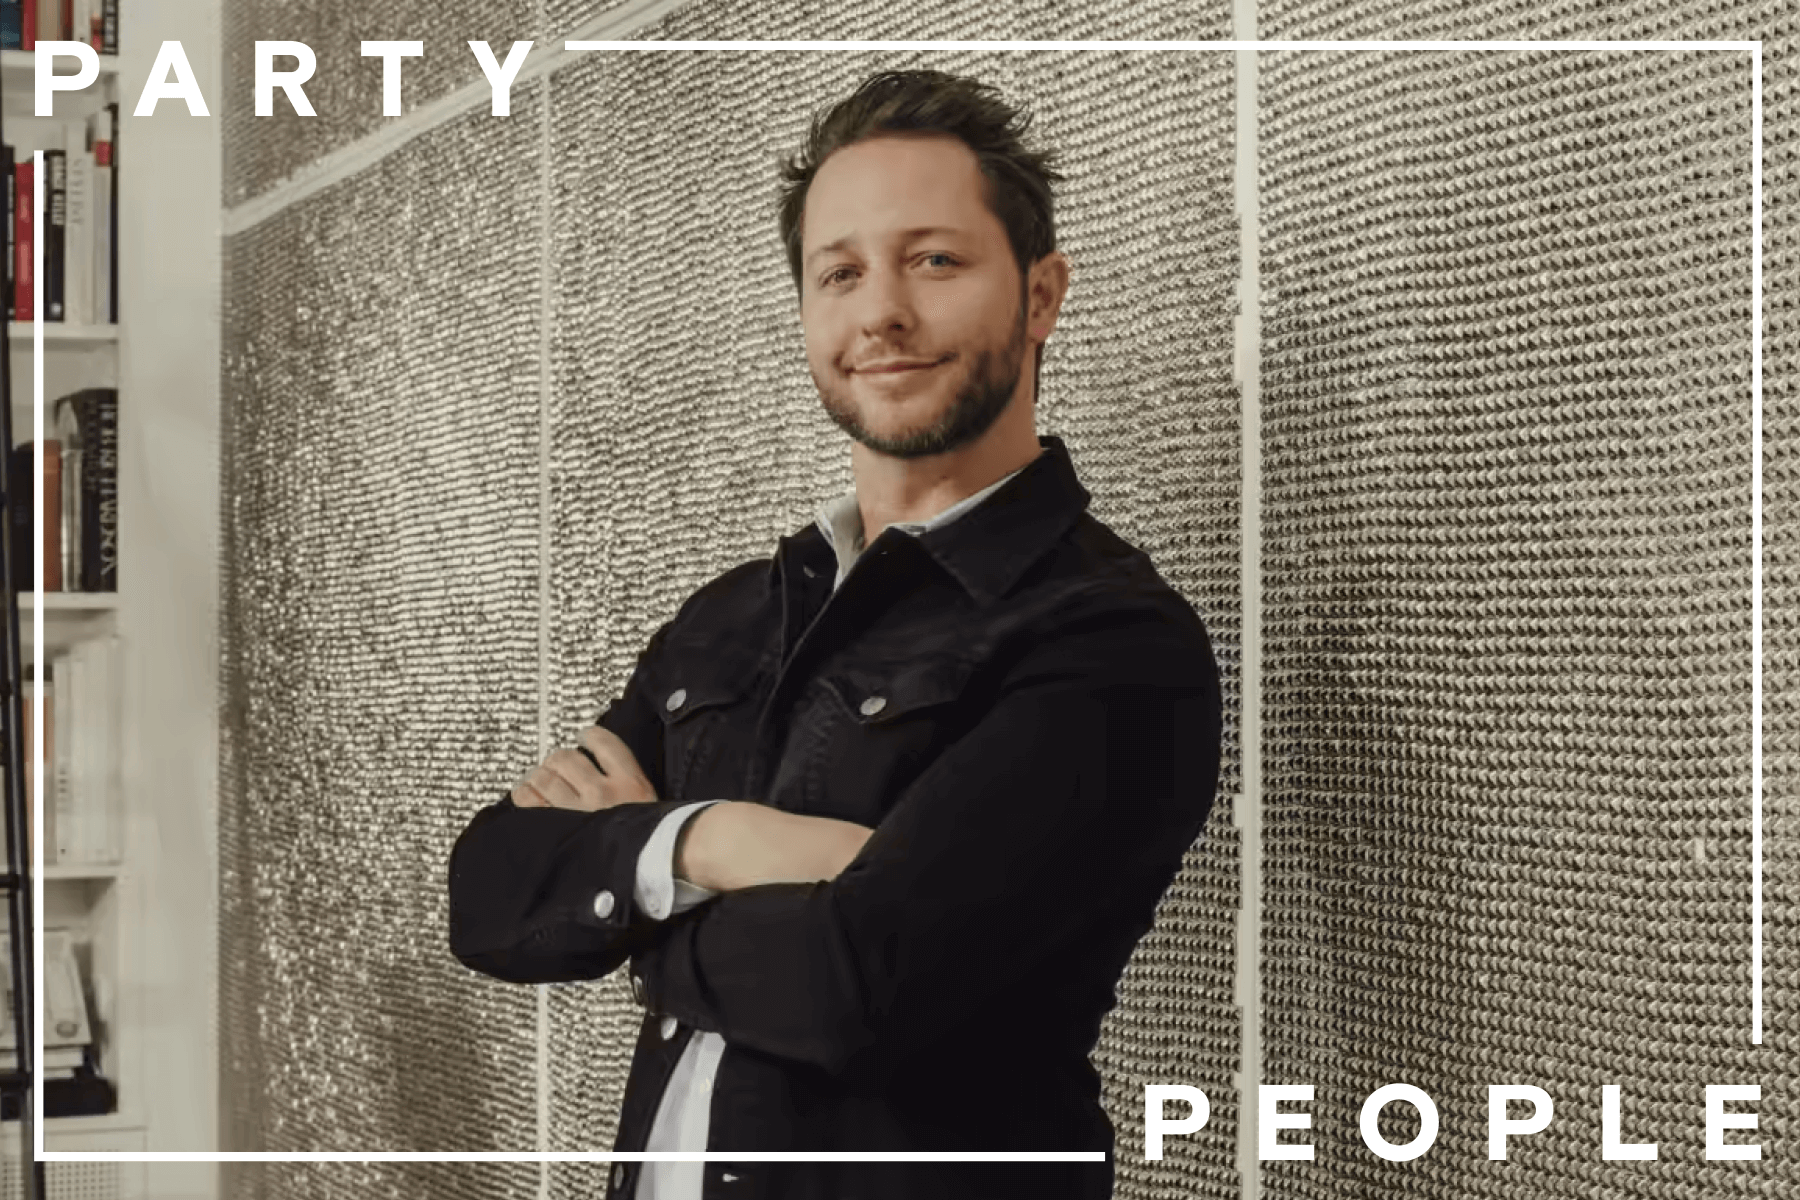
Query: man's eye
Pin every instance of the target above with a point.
(830, 277)
(950, 260)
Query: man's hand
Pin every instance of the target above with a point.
(569, 779)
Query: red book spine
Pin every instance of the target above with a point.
(22, 231)
(53, 580)
(29, 31)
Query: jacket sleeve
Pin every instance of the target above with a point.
(544, 895)
(1031, 854)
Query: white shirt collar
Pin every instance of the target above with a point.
(840, 520)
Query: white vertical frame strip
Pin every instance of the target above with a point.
(546, 264)
(1247, 813)
(1756, 545)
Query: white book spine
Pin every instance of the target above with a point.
(91, 688)
(62, 782)
(103, 248)
(78, 232)
(106, 840)
(103, 224)
(65, 1005)
(81, 754)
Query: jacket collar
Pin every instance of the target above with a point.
(989, 548)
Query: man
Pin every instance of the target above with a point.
(879, 820)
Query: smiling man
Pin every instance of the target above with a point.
(879, 820)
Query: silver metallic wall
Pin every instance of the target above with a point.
(501, 399)
(1506, 370)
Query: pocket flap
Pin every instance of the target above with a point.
(878, 697)
(694, 679)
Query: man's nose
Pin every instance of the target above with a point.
(887, 302)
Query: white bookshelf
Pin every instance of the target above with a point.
(58, 334)
(152, 917)
(97, 902)
(69, 617)
(18, 70)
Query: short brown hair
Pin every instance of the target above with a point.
(1018, 181)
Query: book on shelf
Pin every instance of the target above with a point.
(28, 721)
(21, 467)
(79, 224)
(105, 229)
(80, 793)
(87, 425)
(54, 228)
(81, 497)
(6, 290)
(84, 822)
(74, 1085)
(68, 1025)
(96, 22)
(24, 229)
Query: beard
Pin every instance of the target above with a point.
(973, 411)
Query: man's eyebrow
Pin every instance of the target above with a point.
(906, 235)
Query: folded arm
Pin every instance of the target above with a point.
(575, 869)
(1035, 848)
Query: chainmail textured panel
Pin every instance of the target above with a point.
(381, 663)
(345, 90)
(687, 434)
(1506, 372)
(673, 430)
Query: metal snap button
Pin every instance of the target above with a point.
(637, 989)
(618, 1175)
(873, 705)
(603, 905)
(677, 698)
(669, 1026)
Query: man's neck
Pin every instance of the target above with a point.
(893, 490)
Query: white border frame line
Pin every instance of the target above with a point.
(37, 643)
(1754, 48)
(1756, 547)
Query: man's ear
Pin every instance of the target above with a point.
(1048, 285)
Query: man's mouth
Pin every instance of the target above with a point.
(897, 367)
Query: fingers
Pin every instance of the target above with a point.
(572, 777)
(613, 755)
(625, 780)
(563, 786)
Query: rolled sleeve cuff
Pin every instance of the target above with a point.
(657, 892)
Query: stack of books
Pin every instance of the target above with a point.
(23, 22)
(82, 824)
(80, 497)
(79, 225)
(73, 1082)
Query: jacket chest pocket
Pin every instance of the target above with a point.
(881, 729)
(709, 699)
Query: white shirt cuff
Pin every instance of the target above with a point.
(657, 892)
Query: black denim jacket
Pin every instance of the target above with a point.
(1028, 716)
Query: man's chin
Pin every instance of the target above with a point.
(878, 426)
